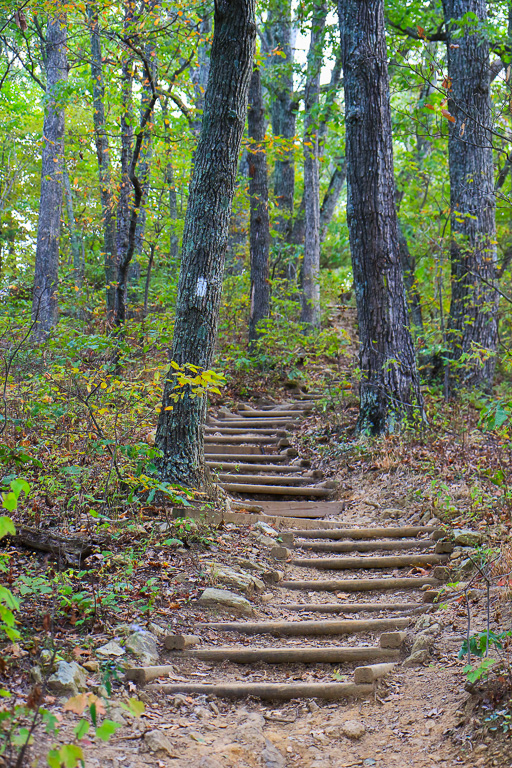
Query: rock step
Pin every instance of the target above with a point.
(276, 490)
(361, 546)
(349, 607)
(255, 467)
(356, 563)
(410, 531)
(266, 479)
(269, 691)
(360, 585)
(308, 628)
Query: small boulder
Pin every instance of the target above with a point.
(272, 757)
(441, 573)
(265, 528)
(353, 729)
(228, 577)
(142, 644)
(417, 658)
(158, 741)
(463, 537)
(225, 600)
(68, 679)
(111, 649)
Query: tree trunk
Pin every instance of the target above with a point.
(199, 75)
(280, 37)
(310, 315)
(179, 433)
(44, 301)
(258, 195)
(103, 155)
(473, 323)
(411, 287)
(389, 390)
(332, 196)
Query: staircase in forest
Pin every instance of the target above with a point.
(375, 573)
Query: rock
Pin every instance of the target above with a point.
(280, 553)
(117, 715)
(142, 644)
(68, 679)
(223, 599)
(157, 630)
(247, 564)
(392, 639)
(36, 675)
(266, 541)
(423, 642)
(157, 741)
(272, 758)
(265, 528)
(228, 577)
(250, 731)
(441, 573)
(353, 729)
(91, 666)
(209, 762)
(111, 649)
(464, 537)
(415, 659)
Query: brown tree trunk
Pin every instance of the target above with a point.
(46, 275)
(258, 194)
(179, 433)
(473, 323)
(389, 390)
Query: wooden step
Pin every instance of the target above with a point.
(356, 563)
(242, 438)
(410, 531)
(349, 607)
(265, 479)
(269, 691)
(329, 654)
(256, 458)
(308, 628)
(248, 423)
(255, 467)
(276, 490)
(271, 414)
(221, 430)
(361, 546)
(297, 508)
(216, 449)
(360, 585)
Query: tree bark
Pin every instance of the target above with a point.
(44, 301)
(310, 314)
(75, 236)
(259, 215)
(473, 322)
(199, 74)
(389, 390)
(179, 432)
(103, 155)
(332, 196)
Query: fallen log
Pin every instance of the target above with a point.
(73, 548)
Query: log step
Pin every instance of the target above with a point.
(243, 438)
(256, 458)
(329, 654)
(246, 467)
(271, 414)
(269, 691)
(265, 479)
(276, 490)
(360, 585)
(308, 628)
(362, 546)
(248, 423)
(410, 531)
(349, 607)
(355, 563)
(222, 430)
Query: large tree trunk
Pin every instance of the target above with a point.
(389, 390)
(258, 194)
(103, 155)
(310, 315)
(179, 433)
(473, 324)
(280, 36)
(44, 301)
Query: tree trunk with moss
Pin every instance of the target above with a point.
(180, 430)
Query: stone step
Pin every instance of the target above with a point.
(361, 546)
(357, 563)
(410, 531)
(308, 628)
(360, 585)
(276, 490)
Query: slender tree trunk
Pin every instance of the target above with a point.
(103, 155)
(411, 287)
(173, 198)
(473, 323)
(332, 196)
(280, 36)
(310, 315)
(258, 194)
(75, 236)
(46, 275)
(199, 74)
(389, 390)
(179, 434)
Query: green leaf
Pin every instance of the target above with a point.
(134, 706)
(81, 729)
(106, 730)
(70, 755)
(6, 526)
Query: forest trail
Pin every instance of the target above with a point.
(314, 677)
